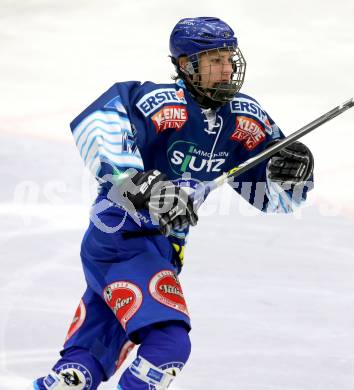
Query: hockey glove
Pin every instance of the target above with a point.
(292, 165)
(168, 204)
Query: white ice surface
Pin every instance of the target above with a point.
(271, 297)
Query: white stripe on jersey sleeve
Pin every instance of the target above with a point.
(99, 137)
(100, 116)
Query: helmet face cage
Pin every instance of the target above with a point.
(202, 77)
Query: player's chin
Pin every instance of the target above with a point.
(218, 84)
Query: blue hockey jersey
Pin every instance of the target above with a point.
(160, 126)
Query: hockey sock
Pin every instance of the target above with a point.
(77, 369)
(164, 350)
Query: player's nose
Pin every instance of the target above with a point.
(226, 71)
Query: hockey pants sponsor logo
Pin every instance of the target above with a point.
(78, 320)
(124, 352)
(166, 289)
(124, 298)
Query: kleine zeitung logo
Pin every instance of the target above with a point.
(170, 117)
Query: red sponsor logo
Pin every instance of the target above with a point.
(166, 289)
(249, 132)
(180, 95)
(124, 352)
(124, 298)
(170, 117)
(78, 320)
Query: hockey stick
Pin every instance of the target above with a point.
(203, 189)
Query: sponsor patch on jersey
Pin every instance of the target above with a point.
(75, 375)
(247, 106)
(170, 117)
(78, 320)
(124, 298)
(166, 289)
(184, 156)
(249, 132)
(157, 98)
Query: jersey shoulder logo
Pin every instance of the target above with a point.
(244, 106)
(249, 132)
(155, 99)
(170, 117)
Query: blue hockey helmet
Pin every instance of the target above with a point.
(204, 36)
(194, 35)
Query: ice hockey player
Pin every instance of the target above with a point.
(149, 145)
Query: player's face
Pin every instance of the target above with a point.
(215, 67)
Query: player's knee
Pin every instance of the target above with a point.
(169, 339)
(164, 350)
(179, 341)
